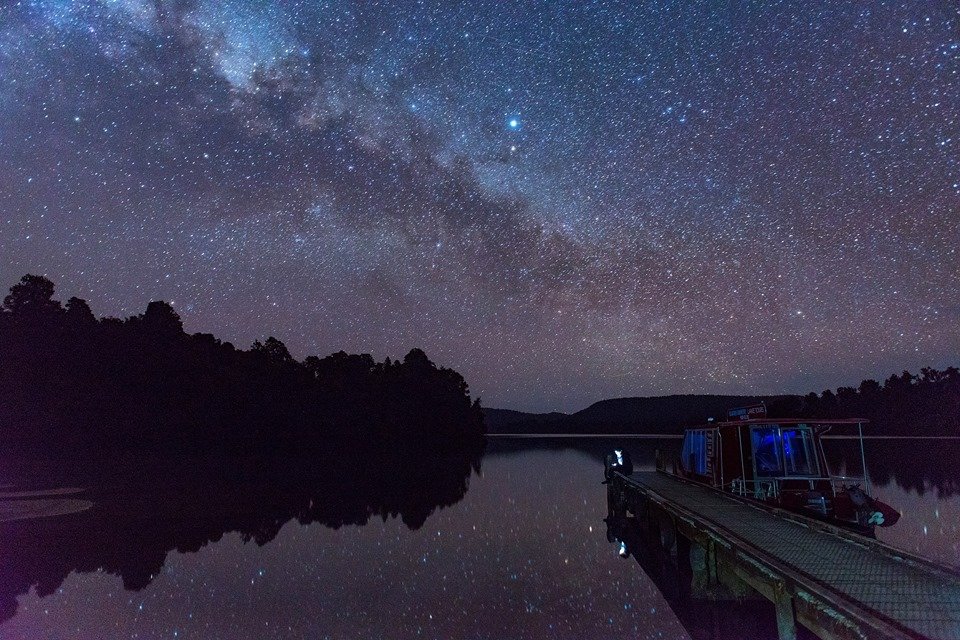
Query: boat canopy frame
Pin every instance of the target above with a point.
(760, 421)
(812, 422)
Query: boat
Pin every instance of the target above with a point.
(780, 463)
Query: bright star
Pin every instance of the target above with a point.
(514, 123)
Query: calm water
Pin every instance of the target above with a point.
(516, 551)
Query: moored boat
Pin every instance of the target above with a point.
(780, 462)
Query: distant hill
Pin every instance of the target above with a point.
(660, 414)
(905, 404)
(504, 420)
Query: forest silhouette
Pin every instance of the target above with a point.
(197, 439)
(924, 404)
(905, 404)
(73, 384)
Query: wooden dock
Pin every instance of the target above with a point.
(836, 583)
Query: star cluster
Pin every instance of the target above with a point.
(562, 200)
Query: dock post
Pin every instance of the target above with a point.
(786, 623)
(713, 577)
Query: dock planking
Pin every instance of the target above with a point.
(837, 583)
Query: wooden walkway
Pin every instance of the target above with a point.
(838, 584)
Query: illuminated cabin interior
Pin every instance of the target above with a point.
(779, 462)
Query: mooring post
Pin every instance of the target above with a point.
(685, 570)
(786, 623)
(863, 460)
(713, 576)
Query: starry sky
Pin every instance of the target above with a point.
(564, 201)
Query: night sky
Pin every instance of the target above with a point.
(564, 201)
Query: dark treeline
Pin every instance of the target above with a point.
(927, 404)
(71, 383)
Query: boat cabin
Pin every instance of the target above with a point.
(779, 461)
(755, 450)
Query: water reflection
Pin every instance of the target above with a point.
(253, 552)
(916, 465)
(706, 613)
(140, 516)
(921, 477)
(522, 555)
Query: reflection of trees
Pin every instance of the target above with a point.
(166, 507)
(913, 464)
(918, 465)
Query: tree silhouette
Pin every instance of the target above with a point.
(79, 312)
(906, 404)
(273, 350)
(160, 318)
(73, 384)
(869, 388)
(32, 296)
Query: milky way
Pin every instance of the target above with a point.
(562, 200)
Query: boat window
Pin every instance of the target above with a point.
(695, 444)
(766, 451)
(799, 452)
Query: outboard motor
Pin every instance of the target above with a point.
(620, 461)
(871, 511)
(883, 514)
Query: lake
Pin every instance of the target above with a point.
(430, 549)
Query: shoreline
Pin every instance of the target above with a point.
(675, 436)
